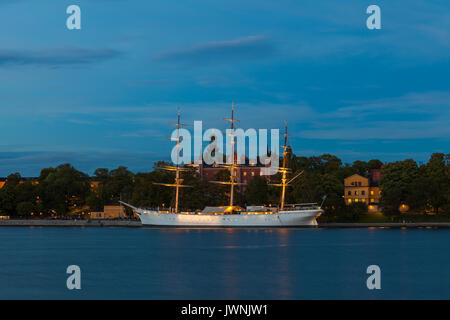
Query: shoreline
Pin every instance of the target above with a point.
(69, 223)
(137, 224)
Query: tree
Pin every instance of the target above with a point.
(399, 185)
(112, 186)
(101, 174)
(363, 168)
(199, 195)
(62, 189)
(120, 182)
(374, 164)
(257, 191)
(25, 208)
(14, 192)
(147, 194)
(219, 195)
(437, 181)
(8, 202)
(353, 212)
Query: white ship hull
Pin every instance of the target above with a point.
(296, 218)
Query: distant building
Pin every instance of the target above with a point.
(109, 212)
(364, 189)
(33, 181)
(244, 173)
(94, 185)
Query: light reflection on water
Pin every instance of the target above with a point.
(183, 263)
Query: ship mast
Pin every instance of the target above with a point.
(233, 176)
(178, 180)
(284, 170)
(233, 165)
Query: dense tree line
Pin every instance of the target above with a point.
(64, 190)
(422, 187)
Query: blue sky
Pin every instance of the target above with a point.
(102, 96)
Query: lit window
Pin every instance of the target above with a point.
(253, 174)
(356, 200)
(372, 200)
(371, 192)
(356, 193)
(245, 173)
(349, 200)
(363, 200)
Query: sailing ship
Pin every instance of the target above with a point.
(295, 215)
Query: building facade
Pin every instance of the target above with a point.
(244, 173)
(363, 189)
(109, 212)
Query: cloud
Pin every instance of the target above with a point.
(55, 57)
(434, 102)
(412, 116)
(411, 125)
(252, 47)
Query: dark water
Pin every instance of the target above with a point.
(139, 263)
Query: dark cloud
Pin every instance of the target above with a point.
(254, 47)
(55, 57)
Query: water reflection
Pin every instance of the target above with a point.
(186, 263)
(235, 263)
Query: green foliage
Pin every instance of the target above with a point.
(353, 212)
(147, 194)
(113, 185)
(397, 185)
(257, 191)
(323, 175)
(14, 192)
(25, 208)
(436, 182)
(423, 188)
(64, 190)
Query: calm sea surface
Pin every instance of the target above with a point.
(153, 263)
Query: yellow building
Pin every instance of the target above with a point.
(361, 189)
(109, 212)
